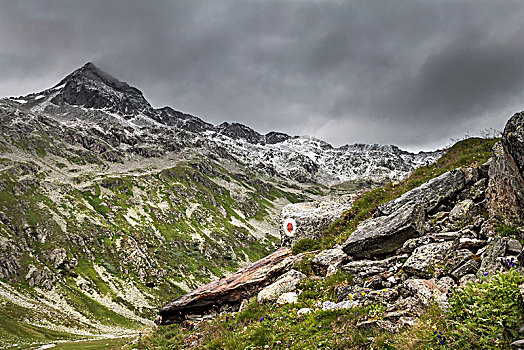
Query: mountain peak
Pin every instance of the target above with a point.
(90, 87)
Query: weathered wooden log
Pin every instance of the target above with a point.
(230, 290)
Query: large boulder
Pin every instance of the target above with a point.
(229, 291)
(385, 234)
(505, 191)
(367, 268)
(430, 194)
(312, 218)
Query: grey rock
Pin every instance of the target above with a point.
(471, 175)
(287, 298)
(514, 246)
(467, 268)
(467, 279)
(426, 291)
(57, 257)
(425, 260)
(446, 282)
(484, 169)
(385, 234)
(457, 257)
(430, 194)
(463, 211)
(40, 277)
(303, 311)
(9, 267)
(513, 139)
(505, 193)
(446, 236)
(472, 244)
(518, 344)
(386, 326)
(286, 283)
(312, 218)
(366, 268)
(346, 304)
(326, 258)
(495, 249)
(475, 192)
(413, 243)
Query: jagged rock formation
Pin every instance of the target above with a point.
(431, 194)
(506, 184)
(118, 120)
(385, 234)
(229, 291)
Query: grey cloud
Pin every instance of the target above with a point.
(405, 72)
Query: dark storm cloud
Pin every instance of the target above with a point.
(412, 73)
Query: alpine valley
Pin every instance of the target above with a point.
(109, 207)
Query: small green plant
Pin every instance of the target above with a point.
(304, 245)
(506, 230)
(487, 313)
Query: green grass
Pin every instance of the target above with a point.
(485, 314)
(258, 326)
(13, 328)
(97, 344)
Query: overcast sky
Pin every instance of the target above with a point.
(410, 73)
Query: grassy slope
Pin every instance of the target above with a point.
(280, 327)
(100, 216)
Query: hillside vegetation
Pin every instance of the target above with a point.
(484, 313)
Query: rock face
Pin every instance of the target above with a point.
(330, 257)
(229, 291)
(313, 217)
(431, 194)
(513, 139)
(426, 258)
(463, 211)
(506, 184)
(385, 234)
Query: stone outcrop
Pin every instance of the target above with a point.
(505, 191)
(430, 194)
(229, 291)
(312, 218)
(425, 259)
(385, 234)
(286, 283)
(326, 258)
(513, 139)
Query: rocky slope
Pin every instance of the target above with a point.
(109, 207)
(419, 250)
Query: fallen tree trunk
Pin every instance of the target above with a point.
(230, 290)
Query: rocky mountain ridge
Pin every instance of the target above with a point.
(92, 100)
(109, 207)
(421, 250)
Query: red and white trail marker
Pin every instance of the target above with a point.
(290, 226)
